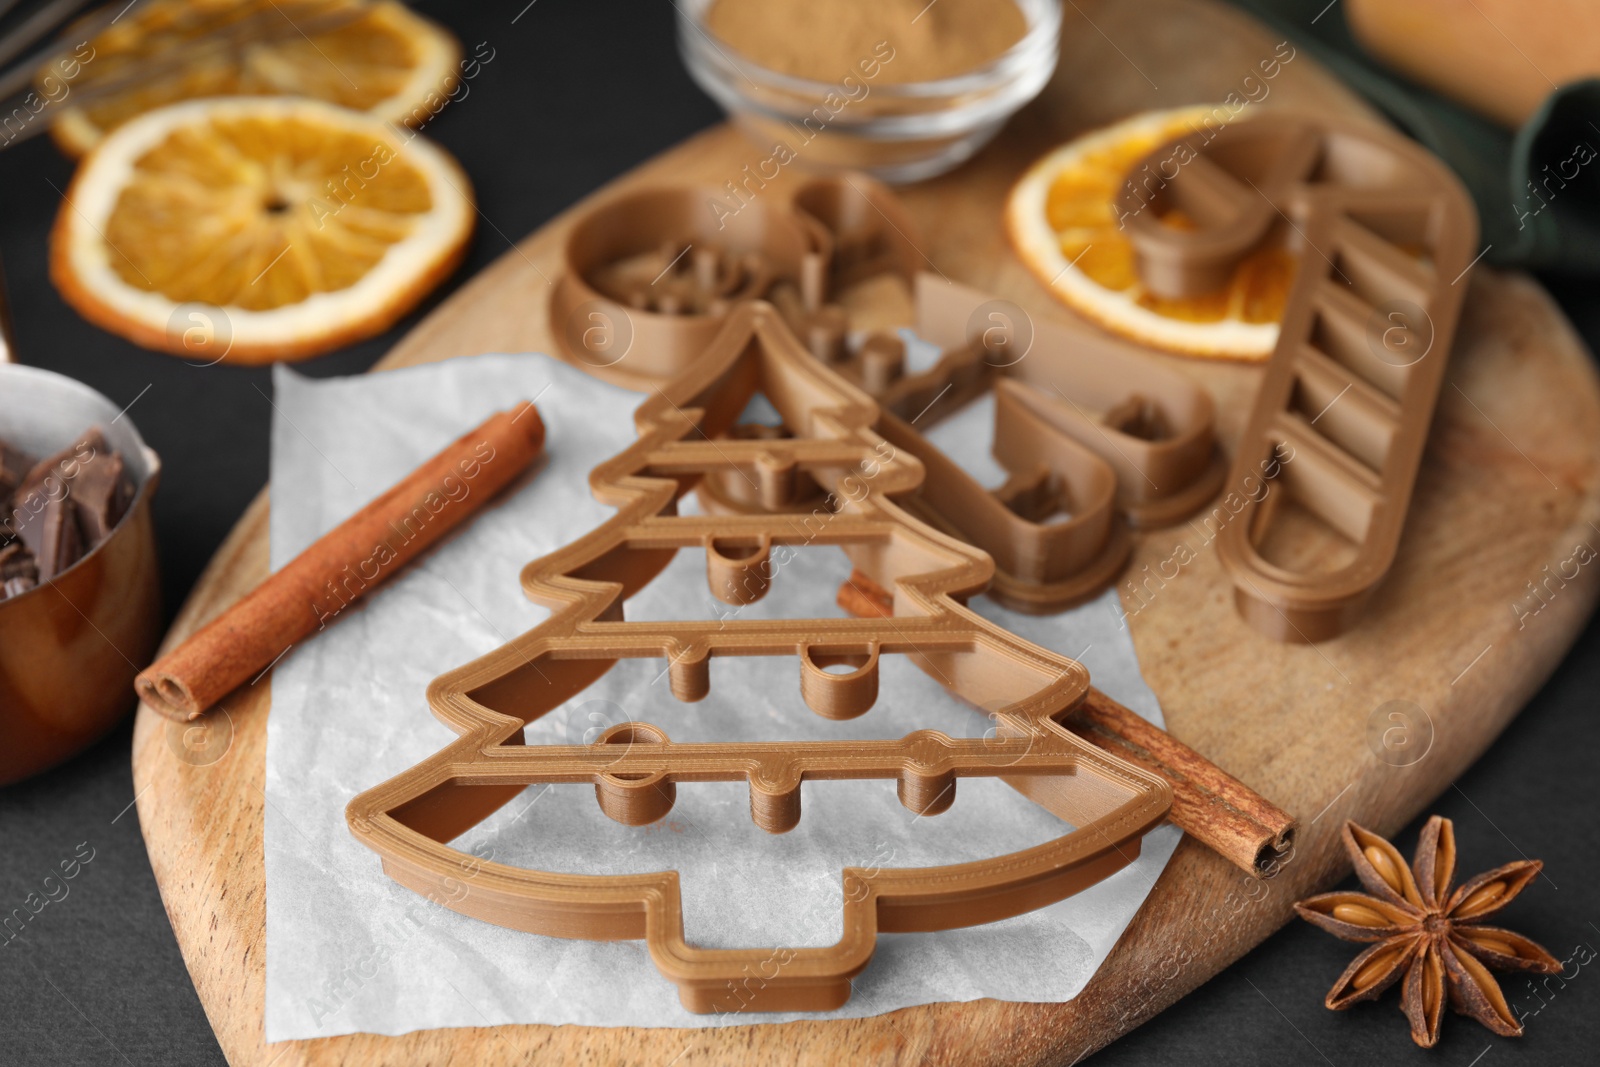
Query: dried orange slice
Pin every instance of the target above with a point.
(1061, 221)
(376, 57)
(260, 228)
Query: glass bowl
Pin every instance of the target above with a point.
(896, 132)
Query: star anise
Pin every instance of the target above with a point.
(1434, 937)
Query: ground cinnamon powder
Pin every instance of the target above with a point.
(825, 39)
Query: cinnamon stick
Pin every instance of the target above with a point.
(1208, 803)
(343, 565)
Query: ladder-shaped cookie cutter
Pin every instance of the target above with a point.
(635, 768)
(1385, 237)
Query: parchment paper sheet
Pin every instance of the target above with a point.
(348, 950)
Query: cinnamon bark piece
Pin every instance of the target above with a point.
(342, 566)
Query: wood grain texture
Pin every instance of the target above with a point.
(1510, 483)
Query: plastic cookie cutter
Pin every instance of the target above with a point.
(650, 276)
(859, 232)
(863, 227)
(1385, 235)
(1095, 436)
(636, 769)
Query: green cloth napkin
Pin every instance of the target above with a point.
(1537, 191)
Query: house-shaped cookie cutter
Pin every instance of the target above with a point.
(636, 769)
(1385, 236)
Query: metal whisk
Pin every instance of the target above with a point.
(42, 46)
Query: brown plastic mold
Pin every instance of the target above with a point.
(636, 769)
(649, 277)
(1096, 436)
(1385, 236)
(863, 227)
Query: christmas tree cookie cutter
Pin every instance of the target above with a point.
(1385, 236)
(636, 769)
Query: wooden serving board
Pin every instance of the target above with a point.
(1509, 486)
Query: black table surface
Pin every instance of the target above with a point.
(574, 95)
